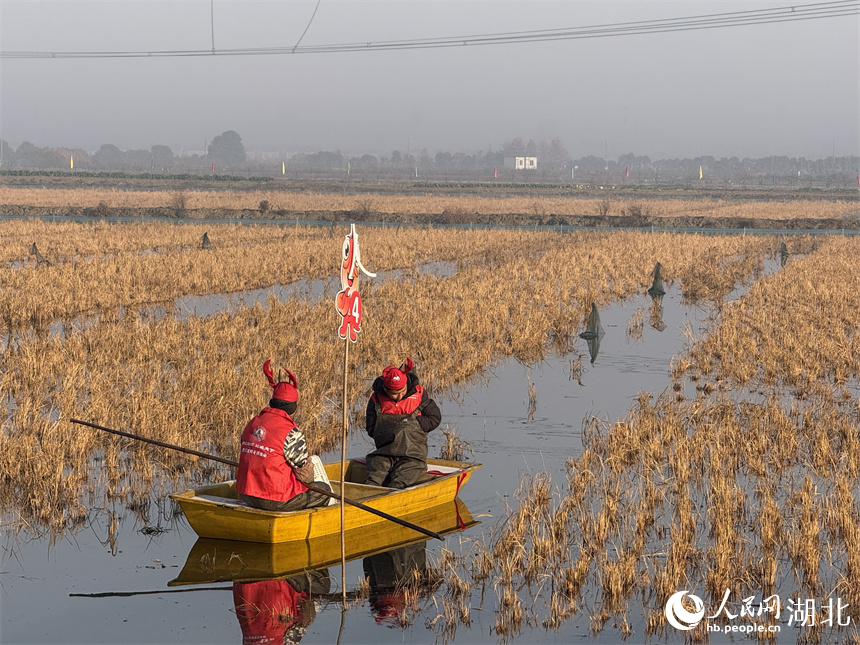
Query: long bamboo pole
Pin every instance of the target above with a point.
(343, 471)
(230, 462)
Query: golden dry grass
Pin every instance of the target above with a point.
(667, 500)
(424, 204)
(103, 268)
(795, 329)
(750, 490)
(720, 492)
(195, 382)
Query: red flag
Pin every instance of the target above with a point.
(496, 174)
(213, 167)
(627, 170)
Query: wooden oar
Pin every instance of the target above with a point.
(235, 464)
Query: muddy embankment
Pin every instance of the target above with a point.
(539, 214)
(441, 219)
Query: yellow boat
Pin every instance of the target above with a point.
(215, 511)
(211, 561)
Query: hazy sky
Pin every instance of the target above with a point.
(790, 88)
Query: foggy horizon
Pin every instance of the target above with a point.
(751, 91)
(264, 155)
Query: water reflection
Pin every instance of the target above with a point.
(594, 347)
(655, 314)
(276, 587)
(390, 575)
(593, 333)
(278, 611)
(657, 290)
(211, 560)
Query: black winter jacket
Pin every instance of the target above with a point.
(429, 419)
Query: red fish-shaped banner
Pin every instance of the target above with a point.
(348, 300)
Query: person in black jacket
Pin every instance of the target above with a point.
(399, 416)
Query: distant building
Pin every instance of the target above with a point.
(521, 163)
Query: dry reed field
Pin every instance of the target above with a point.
(382, 204)
(702, 495)
(750, 485)
(195, 381)
(794, 331)
(104, 268)
(750, 488)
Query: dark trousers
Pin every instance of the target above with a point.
(308, 499)
(393, 472)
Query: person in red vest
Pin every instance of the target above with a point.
(399, 415)
(274, 465)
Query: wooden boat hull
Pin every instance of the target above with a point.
(211, 561)
(216, 511)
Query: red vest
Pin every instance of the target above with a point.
(263, 472)
(406, 405)
(264, 609)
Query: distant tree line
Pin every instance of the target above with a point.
(226, 154)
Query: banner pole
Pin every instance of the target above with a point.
(348, 305)
(343, 472)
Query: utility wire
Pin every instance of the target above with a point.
(313, 15)
(838, 9)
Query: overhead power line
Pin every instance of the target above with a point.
(313, 15)
(790, 13)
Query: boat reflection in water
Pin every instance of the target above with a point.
(274, 585)
(391, 576)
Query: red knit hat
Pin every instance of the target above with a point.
(285, 390)
(394, 378)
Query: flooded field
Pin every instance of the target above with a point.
(493, 417)
(575, 526)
